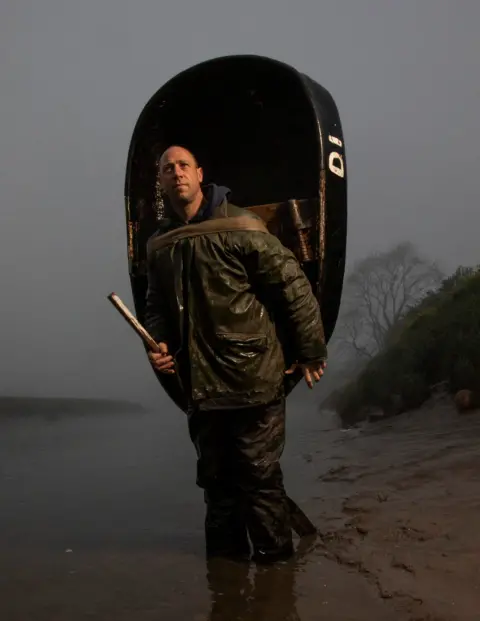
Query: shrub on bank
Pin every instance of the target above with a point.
(437, 341)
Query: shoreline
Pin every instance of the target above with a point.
(12, 405)
(89, 515)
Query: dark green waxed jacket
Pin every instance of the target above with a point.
(230, 304)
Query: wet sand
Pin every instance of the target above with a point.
(407, 517)
(100, 519)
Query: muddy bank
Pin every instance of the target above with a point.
(402, 507)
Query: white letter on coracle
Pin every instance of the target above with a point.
(338, 167)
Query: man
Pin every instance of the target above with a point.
(214, 304)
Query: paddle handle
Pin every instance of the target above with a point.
(132, 321)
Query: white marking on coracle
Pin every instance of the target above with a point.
(337, 168)
(336, 141)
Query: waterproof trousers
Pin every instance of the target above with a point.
(239, 470)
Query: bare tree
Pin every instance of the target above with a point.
(378, 292)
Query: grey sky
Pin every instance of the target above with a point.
(74, 78)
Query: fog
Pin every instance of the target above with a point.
(74, 78)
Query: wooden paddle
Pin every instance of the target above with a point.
(301, 524)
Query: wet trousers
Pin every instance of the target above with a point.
(239, 470)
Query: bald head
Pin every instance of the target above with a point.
(180, 178)
(176, 151)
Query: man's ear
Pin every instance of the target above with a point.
(200, 174)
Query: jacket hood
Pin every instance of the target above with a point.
(214, 196)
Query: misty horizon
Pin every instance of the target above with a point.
(75, 79)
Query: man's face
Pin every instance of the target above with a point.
(180, 176)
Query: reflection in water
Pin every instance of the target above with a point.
(249, 592)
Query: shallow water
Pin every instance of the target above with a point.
(100, 519)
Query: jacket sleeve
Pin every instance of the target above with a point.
(279, 276)
(154, 316)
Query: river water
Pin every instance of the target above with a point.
(100, 518)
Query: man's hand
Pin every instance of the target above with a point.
(314, 370)
(161, 361)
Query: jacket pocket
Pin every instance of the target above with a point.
(242, 343)
(237, 364)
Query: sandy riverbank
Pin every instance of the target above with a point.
(407, 517)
